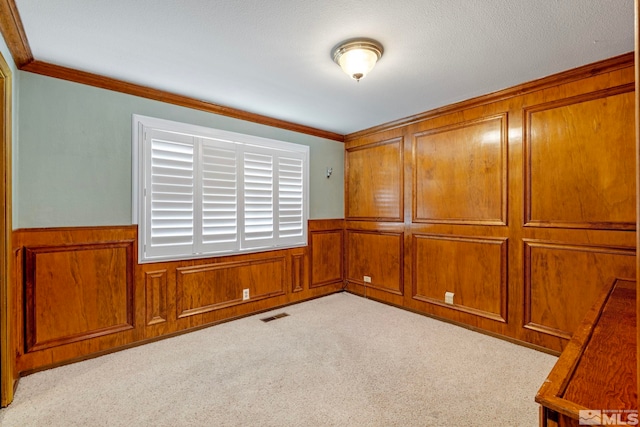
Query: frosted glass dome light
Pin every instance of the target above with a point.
(357, 57)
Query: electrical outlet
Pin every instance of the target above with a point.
(367, 279)
(245, 294)
(448, 297)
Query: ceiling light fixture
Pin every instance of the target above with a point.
(357, 57)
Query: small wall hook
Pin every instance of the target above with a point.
(329, 172)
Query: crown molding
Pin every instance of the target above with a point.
(615, 63)
(16, 39)
(13, 33)
(96, 80)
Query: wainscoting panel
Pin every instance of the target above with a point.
(209, 287)
(297, 272)
(156, 296)
(558, 148)
(548, 162)
(580, 164)
(377, 255)
(375, 181)
(326, 257)
(460, 173)
(563, 281)
(474, 269)
(76, 292)
(79, 292)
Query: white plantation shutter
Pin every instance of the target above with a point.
(200, 192)
(258, 184)
(219, 196)
(169, 198)
(291, 198)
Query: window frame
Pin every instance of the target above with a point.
(242, 142)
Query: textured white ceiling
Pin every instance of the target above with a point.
(272, 57)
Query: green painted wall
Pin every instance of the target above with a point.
(74, 154)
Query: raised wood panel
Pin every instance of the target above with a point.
(156, 296)
(562, 282)
(297, 273)
(77, 292)
(375, 181)
(580, 100)
(377, 255)
(474, 269)
(460, 173)
(580, 161)
(612, 73)
(326, 257)
(204, 288)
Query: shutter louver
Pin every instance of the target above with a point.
(219, 196)
(170, 199)
(290, 197)
(258, 196)
(200, 192)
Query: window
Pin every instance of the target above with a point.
(200, 192)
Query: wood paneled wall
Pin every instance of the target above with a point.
(521, 203)
(80, 291)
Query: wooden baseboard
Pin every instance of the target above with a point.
(167, 336)
(80, 292)
(463, 325)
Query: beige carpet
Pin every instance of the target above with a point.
(336, 361)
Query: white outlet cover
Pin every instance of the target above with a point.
(448, 297)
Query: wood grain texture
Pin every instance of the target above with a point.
(375, 181)
(563, 281)
(637, 137)
(13, 33)
(548, 418)
(580, 168)
(8, 376)
(609, 74)
(377, 255)
(611, 349)
(474, 269)
(297, 273)
(325, 224)
(598, 369)
(77, 292)
(460, 173)
(326, 250)
(156, 296)
(210, 290)
(208, 287)
(457, 210)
